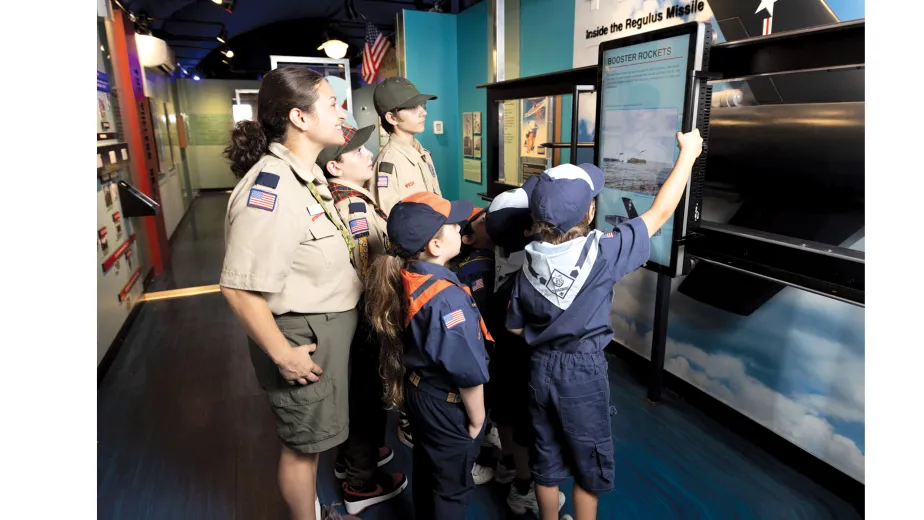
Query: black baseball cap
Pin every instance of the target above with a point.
(352, 139)
(417, 218)
(395, 93)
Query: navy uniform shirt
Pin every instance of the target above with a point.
(563, 295)
(443, 342)
(476, 270)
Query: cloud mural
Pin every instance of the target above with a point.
(795, 366)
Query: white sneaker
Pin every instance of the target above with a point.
(404, 431)
(482, 474)
(492, 438)
(566, 517)
(503, 474)
(520, 503)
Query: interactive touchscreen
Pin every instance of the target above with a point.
(641, 111)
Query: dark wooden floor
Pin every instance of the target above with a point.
(184, 432)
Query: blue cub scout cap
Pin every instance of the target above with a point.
(563, 194)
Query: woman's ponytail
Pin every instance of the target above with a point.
(248, 144)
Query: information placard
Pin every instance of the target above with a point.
(647, 93)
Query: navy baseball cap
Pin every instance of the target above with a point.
(419, 216)
(563, 194)
(509, 217)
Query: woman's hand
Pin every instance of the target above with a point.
(297, 367)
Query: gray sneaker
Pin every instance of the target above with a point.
(520, 503)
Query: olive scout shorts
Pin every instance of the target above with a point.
(315, 417)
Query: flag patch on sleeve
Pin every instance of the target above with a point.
(358, 225)
(453, 318)
(479, 284)
(261, 199)
(382, 181)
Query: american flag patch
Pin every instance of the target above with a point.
(479, 284)
(262, 199)
(608, 235)
(453, 318)
(382, 182)
(358, 225)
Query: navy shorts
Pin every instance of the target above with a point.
(570, 410)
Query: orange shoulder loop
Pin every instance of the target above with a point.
(419, 289)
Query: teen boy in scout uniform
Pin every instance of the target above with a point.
(348, 167)
(403, 166)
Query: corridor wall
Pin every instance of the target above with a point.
(207, 106)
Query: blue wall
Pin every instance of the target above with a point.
(473, 71)
(546, 36)
(432, 65)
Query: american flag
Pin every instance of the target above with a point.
(262, 199)
(373, 53)
(359, 225)
(454, 318)
(479, 284)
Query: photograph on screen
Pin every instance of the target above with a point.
(639, 148)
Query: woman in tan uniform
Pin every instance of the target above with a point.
(287, 272)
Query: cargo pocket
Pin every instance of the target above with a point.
(606, 464)
(305, 415)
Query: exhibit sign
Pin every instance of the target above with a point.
(647, 95)
(598, 21)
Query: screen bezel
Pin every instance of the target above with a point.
(691, 29)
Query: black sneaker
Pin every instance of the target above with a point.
(385, 456)
(383, 486)
(404, 431)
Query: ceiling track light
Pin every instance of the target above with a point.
(227, 52)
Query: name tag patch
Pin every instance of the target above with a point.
(382, 181)
(408, 185)
(261, 199)
(315, 210)
(357, 207)
(270, 180)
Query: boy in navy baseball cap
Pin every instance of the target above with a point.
(560, 304)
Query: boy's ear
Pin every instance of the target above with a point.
(390, 117)
(468, 239)
(333, 169)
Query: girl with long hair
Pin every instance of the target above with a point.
(432, 358)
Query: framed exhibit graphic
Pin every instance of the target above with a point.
(337, 73)
(534, 126)
(647, 93)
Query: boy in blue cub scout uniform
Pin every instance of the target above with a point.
(561, 304)
(475, 269)
(433, 352)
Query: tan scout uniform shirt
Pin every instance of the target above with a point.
(368, 228)
(400, 171)
(279, 241)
